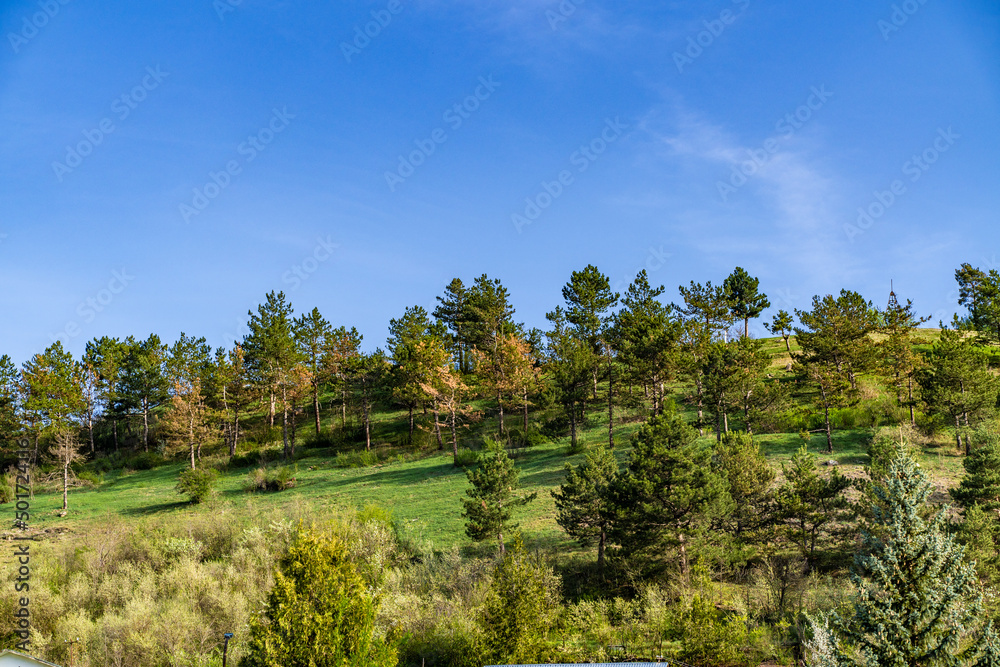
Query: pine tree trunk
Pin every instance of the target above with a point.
(909, 399)
(343, 409)
(746, 327)
(701, 391)
(236, 432)
(611, 411)
(454, 427)
(826, 417)
(270, 413)
(500, 403)
(572, 425)
(525, 420)
(316, 406)
(725, 421)
(685, 571)
(284, 421)
(600, 550)
(368, 430)
(788, 348)
(145, 423)
(65, 485)
(91, 424)
(437, 425)
(409, 437)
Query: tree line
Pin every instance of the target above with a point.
(600, 351)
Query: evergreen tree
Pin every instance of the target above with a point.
(489, 319)
(409, 372)
(488, 509)
(519, 608)
(917, 602)
(106, 355)
(899, 361)
(669, 493)
(271, 355)
(957, 384)
(739, 458)
(320, 612)
(811, 507)
(10, 423)
(452, 311)
(981, 483)
(368, 374)
(745, 299)
(589, 298)
(312, 334)
(979, 292)
(781, 324)
(143, 374)
(52, 391)
(582, 508)
(569, 361)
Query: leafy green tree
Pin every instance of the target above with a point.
(52, 391)
(668, 494)
(705, 318)
(957, 383)
(342, 347)
(811, 507)
(320, 612)
(271, 355)
(582, 508)
(368, 374)
(10, 423)
(744, 296)
(979, 292)
(519, 608)
(589, 299)
(739, 458)
(143, 380)
(781, 324)
(409, 370)
(918, 601)
(899, 361)
(106, 355)
(837, 346)
(569, 361)
(312, 334)
(646, 337)
(981, 483)
(488, 509)
(488, 316)
(979, 533)
(65, 452)
(452, 311)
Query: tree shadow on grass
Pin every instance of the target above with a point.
(146, 510)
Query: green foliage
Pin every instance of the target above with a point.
(518, 609)
(582, 501)
(739, 458)
(981, 483)
(274, 479)
(917, 599)
(319, 612)
(491, 498)
(745, 299)
(710, 637)
(980, 534)
(197, 484)
(668, 493)
(812, 507)
(466, 458)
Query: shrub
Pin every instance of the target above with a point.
(6, 488)
(262, 479)
(360, 459)
(466, 458)
(145, 461)
(319, 611)
(197, 484)
(254, 457)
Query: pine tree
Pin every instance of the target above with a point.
(981, 483)
(781, 324)
(739, 458)
(488, 509)
(668, 494)
(918, 601)
(582, 508)
(745, 299)
(143, 383)
(320, 612)
(452, 312)
(957, 384)
(312, 333)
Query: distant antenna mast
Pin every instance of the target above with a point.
(893, 303)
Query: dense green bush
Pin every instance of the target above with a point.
(466, 458)
(197, 484)
(264, 479)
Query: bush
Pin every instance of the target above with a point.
(262, 479)
(145, 461)
(254, 457)
(6, 488)
(197, 484)
(361, 459)
(466, 458)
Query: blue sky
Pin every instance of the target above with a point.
(166, 164)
